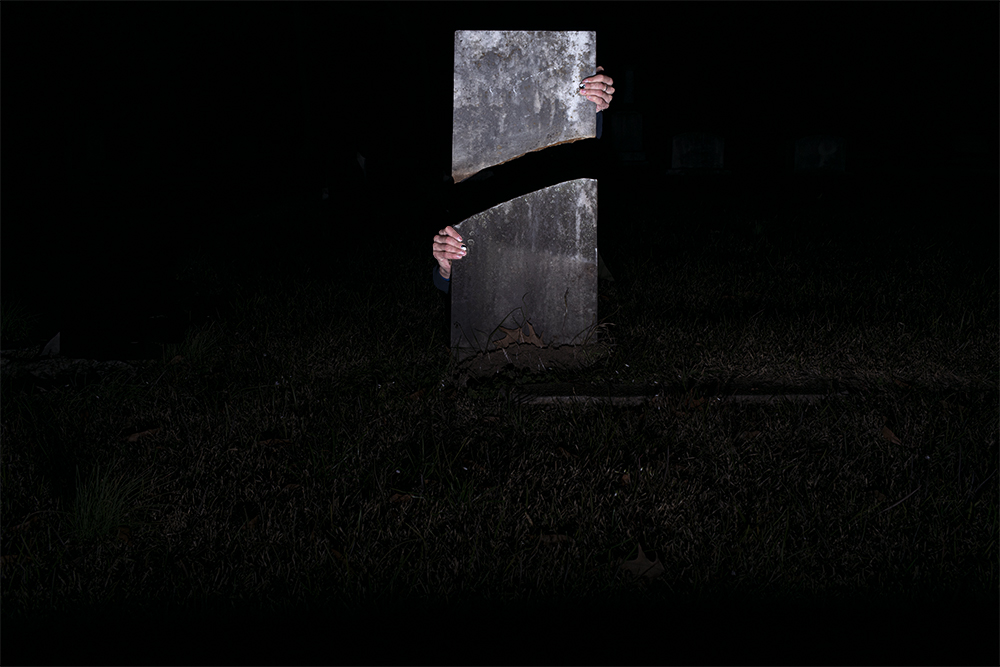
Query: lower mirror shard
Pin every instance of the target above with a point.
(531, 274)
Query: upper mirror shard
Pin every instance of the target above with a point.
(517, 92)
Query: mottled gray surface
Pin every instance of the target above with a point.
(517, 92)
(532, 260)
(820, 153)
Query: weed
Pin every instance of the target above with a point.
(104, 503)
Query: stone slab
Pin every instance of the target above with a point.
(516, 92)
(531, 260)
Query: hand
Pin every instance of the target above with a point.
(598, 89)
(447, 247)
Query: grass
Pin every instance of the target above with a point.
(103, 505)
(313, 450)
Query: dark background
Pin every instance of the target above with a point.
(133, 130)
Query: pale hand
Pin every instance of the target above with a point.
(447, 247)
(598, 89)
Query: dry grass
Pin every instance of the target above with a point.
(313, 451)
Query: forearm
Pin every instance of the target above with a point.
(442, 283)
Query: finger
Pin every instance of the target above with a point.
(598, 78)
(601, 102)
(449, 250)
(447, 257)
(600, 88)
(450, 231)
(445, 242)
(446, 249)
(596, 94)
(605, 95)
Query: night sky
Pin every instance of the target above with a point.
(173, 106)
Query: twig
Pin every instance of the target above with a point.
(899, 501)
(983, 482)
